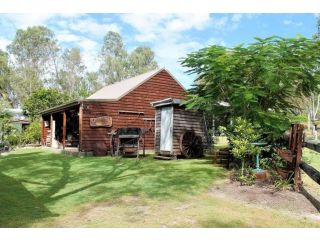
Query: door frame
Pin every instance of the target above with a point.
(171, 129)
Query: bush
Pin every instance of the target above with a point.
(241, 135)
(14, 138)
(247, 177)
(32, 134)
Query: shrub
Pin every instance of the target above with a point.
(241, 135)
(245, 176)
(14, 138)
(33, 133)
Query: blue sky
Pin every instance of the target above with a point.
(171, 36)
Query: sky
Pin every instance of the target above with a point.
(171, 36)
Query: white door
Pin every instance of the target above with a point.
(166, 129)
(53, 132)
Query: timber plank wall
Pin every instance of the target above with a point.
(160, 86)
(183, 120)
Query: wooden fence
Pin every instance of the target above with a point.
(293, 156)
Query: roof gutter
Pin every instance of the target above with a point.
(61, 107)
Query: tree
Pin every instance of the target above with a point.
(260, 82)
(72, 79)
(113, 58)
(94, 84)
(142, 60)
(313, 100)
(40, 100)
(5, 75)
(5, 118)
(33, 51)
(241, 135)
(117, 63)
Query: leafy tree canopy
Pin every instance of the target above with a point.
(34, 51)
(117, 63)
(42, 99)
(5, 74)
(260, 82)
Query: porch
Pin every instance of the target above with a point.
(60, 127)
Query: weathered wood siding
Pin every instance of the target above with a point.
(157, 130)
(158, 87)
(183, 120)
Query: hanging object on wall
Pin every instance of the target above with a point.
(104, 121)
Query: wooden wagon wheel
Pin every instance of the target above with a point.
(113, 143)
(191, 145)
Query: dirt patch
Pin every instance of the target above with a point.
(264, 196)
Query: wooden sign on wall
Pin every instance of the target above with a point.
(104, 121)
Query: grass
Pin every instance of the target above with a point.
(312, 158)
(37, 184)
(41, 189)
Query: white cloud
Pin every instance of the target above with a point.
(89, 48)
(167, 35)
(66, 36)
(25, 20)
(151, 26)
(236, 17)
(182, 22)
(289, 22)
(88, 25)
(4, 42)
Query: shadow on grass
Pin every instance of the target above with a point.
(54, 177)
(17, 205)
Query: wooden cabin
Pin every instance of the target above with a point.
(178, 132)
(87, 125)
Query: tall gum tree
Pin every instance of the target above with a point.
(34, 51)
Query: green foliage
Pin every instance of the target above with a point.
(5, 76)
(32, 134)
(5, 126)
(40, 100)
(72, 78)
(14, 138)
(241, 135)
(117, 63)
(245, 177)
(141, 60)
(283, 184)
(261, 82)
(34, 50)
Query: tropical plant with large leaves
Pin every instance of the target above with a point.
(261, 82)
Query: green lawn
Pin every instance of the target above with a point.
(313, 158)
(41, 189)
(36, 184)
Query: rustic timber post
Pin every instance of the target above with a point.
(42, 131)
(297, 161)
(51, 132)
(64, 128)
(80, 126)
